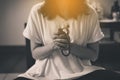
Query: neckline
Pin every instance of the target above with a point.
(63, 19)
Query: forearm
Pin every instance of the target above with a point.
(42, 52)
(84, 52)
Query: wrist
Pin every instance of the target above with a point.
(53, 46)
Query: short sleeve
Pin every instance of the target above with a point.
(96, 32)
(33, 27)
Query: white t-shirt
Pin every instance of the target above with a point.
(83, 30)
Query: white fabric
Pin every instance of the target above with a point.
(84, 30)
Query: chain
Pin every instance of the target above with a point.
(65, 52)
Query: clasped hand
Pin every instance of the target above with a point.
(61, 40)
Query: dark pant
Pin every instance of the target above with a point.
(96, 75)
(22, 78)
(101, 75)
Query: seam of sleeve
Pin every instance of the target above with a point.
(99, 37)
(26, 35)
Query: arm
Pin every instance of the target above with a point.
(89, 52)
(41, 52)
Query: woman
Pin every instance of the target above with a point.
(64, 38)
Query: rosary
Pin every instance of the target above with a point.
(65, 52)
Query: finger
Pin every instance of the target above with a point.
(55, 37)
(56, 46)
(65, 41)
(58, 33)
(62, 45)
(64, 36)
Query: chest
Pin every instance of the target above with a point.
(79, 30)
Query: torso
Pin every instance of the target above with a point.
(58, 66)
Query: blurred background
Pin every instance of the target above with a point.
(14, 14)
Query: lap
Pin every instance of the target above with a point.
(22, 78)
(96, 75)
(101, 75)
